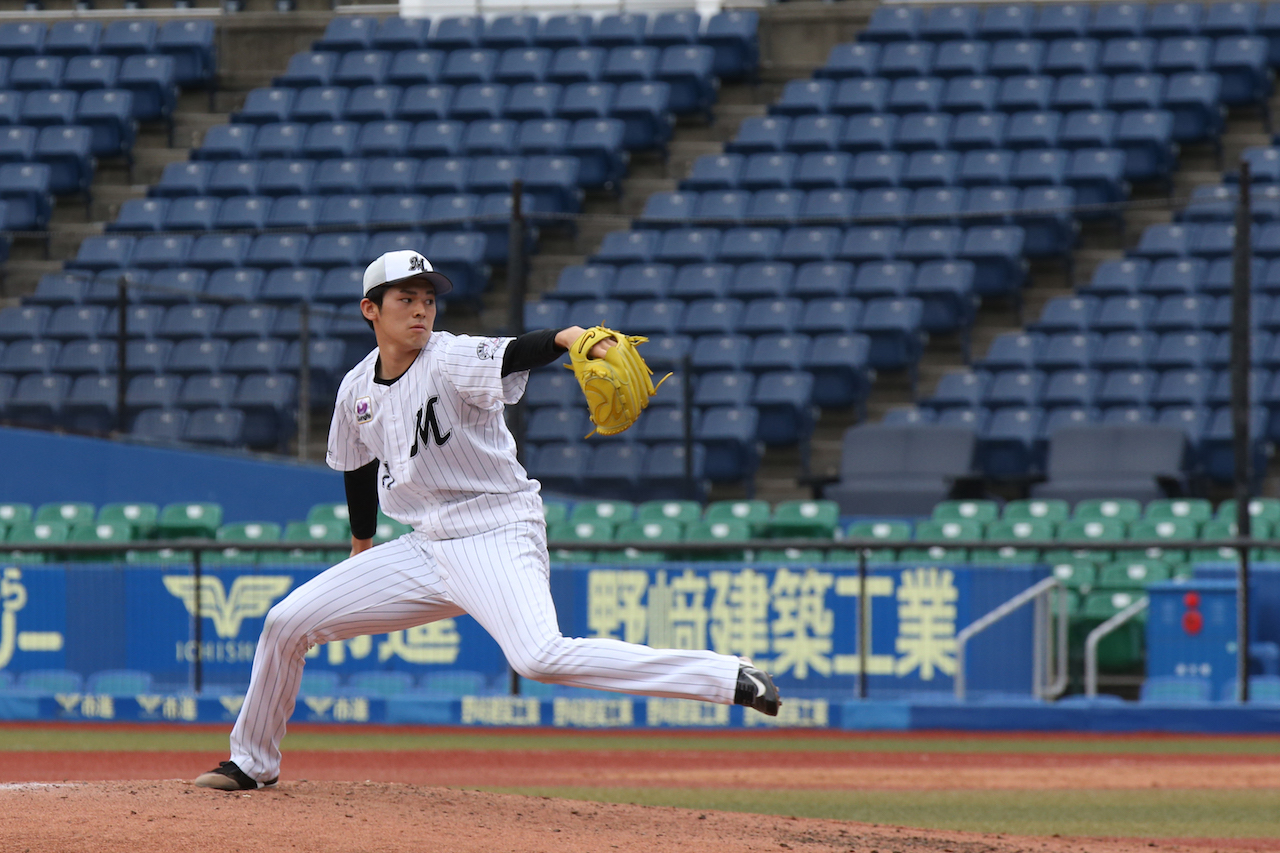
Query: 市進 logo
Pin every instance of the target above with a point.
(364, 410)
(251, 596)
(488, 348)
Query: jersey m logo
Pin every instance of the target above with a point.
(428, 428)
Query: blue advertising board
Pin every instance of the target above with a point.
(799, 622)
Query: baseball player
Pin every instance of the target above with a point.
(418, 428)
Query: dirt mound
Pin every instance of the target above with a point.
(380, 817)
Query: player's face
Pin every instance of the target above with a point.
(406, 317)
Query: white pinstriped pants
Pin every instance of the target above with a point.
(501, 579)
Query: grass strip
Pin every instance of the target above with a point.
(1166, 813)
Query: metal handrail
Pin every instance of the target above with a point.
(984, 622)
(1095, 637)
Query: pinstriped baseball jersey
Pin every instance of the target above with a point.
(448, 461)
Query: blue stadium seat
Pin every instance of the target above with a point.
(1014, 389)
(770, 316)
(436, 139)
(946, 291)
(22, 39)
(150, 78)
(645, 111)
(469, 66)
(29, 356)
(551, 136)
(457, 33)
(191, 45)
(565, 30)
(372, 103)
(695, 281)
(806, 133)
(1194, 101)
(1124, 313)
(1014, 350)
(856, 97)
(476, 101)
(208, 390)
(986, 167)
(24, 190)
(87, 72)
(72, 38)
(1024, 92)
(597, 143)
(383, 139)
(581, 64)
(36, 72)
(362, 68)
(1182, 349)
(634, 281)
(688, 70)
(338, 176)
(1242, 64)
(1136, 91)
(1033, 129)
(233, 177)
(1067, 350)
(1180, 54)
(960, 58)
(218, 427)
(103, 253)
(75, 321)
(108, 113)
(1127, 55)
(916, 94)
(330, 139)
(834, 206)
(544, 314)
(586, 100)
(266, 105)
(1087, 129)
(560, 465)
(415, 66)
(506, 31)
(170, 286)
(1015, 57)
(525, 65)
(1129, 386)
(654, 316)
(729, 435)
(192, 213)
(309, 68)
(326, 250)
(55, 289)
(761, 279)
(1067, 314)
(226, 142)
(775, 206)
(188, 321)
(279, 140)
(461, 257)
(17, 144)
(921, 131)
(532, 101)
(49, 107)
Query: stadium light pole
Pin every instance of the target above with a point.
(1241, 354)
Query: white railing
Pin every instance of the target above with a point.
(1048, 656)
(1095, 637)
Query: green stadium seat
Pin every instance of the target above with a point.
(12, 513)
(1024, 529)
(1047, 510)
(984, 511)
(180, 520)
(1263, 509)
(889, 531)
(69, 512)
(802, 557)
(680, 511)
(240, 533)
(584, 531)
(329, 512)
(624, 556)
(1095, 529)
(1121, 509)
(1123, 649)
(38, 532)
(336, 533)
(141, 516)
(1079, 575)
(1198, 510)
(1224, 529)
(754, 513)
(960, 531)
(554, 512)
(99, 532)
(817, 519)
(1132, 574)
(613, 512)
(1174, 529)
(726, 530)
(157, 557)
(656, 530)
(1005, 556)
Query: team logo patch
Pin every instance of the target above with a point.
(416, 264)
(487, 349)
(364, 410)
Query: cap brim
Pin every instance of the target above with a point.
(438, 280)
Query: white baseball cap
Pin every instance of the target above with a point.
(398, 266)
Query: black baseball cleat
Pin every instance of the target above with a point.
(756, 690)
(228, 777)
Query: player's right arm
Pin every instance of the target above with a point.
(362, 505)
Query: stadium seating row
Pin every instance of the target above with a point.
(67, 150)
(1170, 276)
(337, 286)
(273, 120)
(1097, 175)
(462, 255)
(732, 33)
(150, 81)
(1119, 349)
(255, 410)
(189, 43)
(107, 113)
(552, 179)
(1145, 132)
(686, 70)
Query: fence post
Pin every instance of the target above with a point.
(122, 348)
(304, 380)
(864, 624)
(686, 389)
(1241, 356)
(197, 619)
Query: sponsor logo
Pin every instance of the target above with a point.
(364, 410)
(251, 596)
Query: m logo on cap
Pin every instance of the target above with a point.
(417, 263)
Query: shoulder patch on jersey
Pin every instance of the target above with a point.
(488, 348)
(364, 410)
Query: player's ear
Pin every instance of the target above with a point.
(369, 309)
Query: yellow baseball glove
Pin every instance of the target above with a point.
(617, 386)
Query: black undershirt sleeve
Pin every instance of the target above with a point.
(530, 350)
(362, 499)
